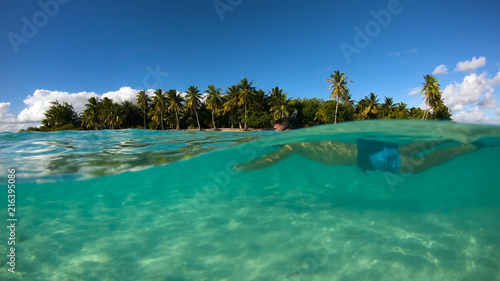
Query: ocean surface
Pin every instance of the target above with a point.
(163, 205)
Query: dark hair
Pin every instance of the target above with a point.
(291, 121)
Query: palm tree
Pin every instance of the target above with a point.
(129, 113)
(116, 116)
(387, 107)
(416, 113)
(175, 102)
(214, 100)
(261, 100)
(432, 92)
(370, 105)
(437, 103)
(401, 111)
(155, 116)
(349, 108)
(339, 88)
(143, 101)
(106, 112)
(193, 100)
(279, 103)
(159, 101)
(246, 96)
(231, 103)
(90, 117)
(443, 113)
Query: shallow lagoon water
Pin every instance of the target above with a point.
(140, 205)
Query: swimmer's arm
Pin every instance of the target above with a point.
(265, 160)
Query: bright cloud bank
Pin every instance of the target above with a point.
(41, 100)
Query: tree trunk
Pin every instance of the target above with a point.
(144, 111)
(336, 109)
(177, 118)
(161, 115)
(245, 127)
(197, 120)
(424, 117)
(213, 119)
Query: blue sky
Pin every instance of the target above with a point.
(98, 47)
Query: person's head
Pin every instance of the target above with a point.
(282, 124)
(286, 123)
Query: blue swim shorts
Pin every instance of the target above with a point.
(387, 160)
(378, 156)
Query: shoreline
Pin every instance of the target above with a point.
(227, 130)
(173, 130)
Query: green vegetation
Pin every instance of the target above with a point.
(143, 102)
(59, 117)
(214, 101)
(432, 92)
(340, 91)
(193, 102)
(243, 105)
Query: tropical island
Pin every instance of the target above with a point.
(241, 106)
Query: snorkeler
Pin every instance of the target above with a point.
(366, 154)
(286, 123)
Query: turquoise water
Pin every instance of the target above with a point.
(142, 205)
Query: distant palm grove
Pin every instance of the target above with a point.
(240, 106)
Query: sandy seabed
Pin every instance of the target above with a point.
(264, 225)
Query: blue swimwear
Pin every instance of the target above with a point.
(378, 156)
(387, 160)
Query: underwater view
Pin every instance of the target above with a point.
(182, 205)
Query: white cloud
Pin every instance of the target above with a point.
(150, 92)
(488, 101)
(415, 91)
(440, 69)
(471, 65)
(412, 51)
(473, 87)
(123, 94)
(472, 100)
(397, 54)
(4, 108)
(496, 79)
(475, 115)
(9, 122)
(41, 100)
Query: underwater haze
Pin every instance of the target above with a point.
(165, 205)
